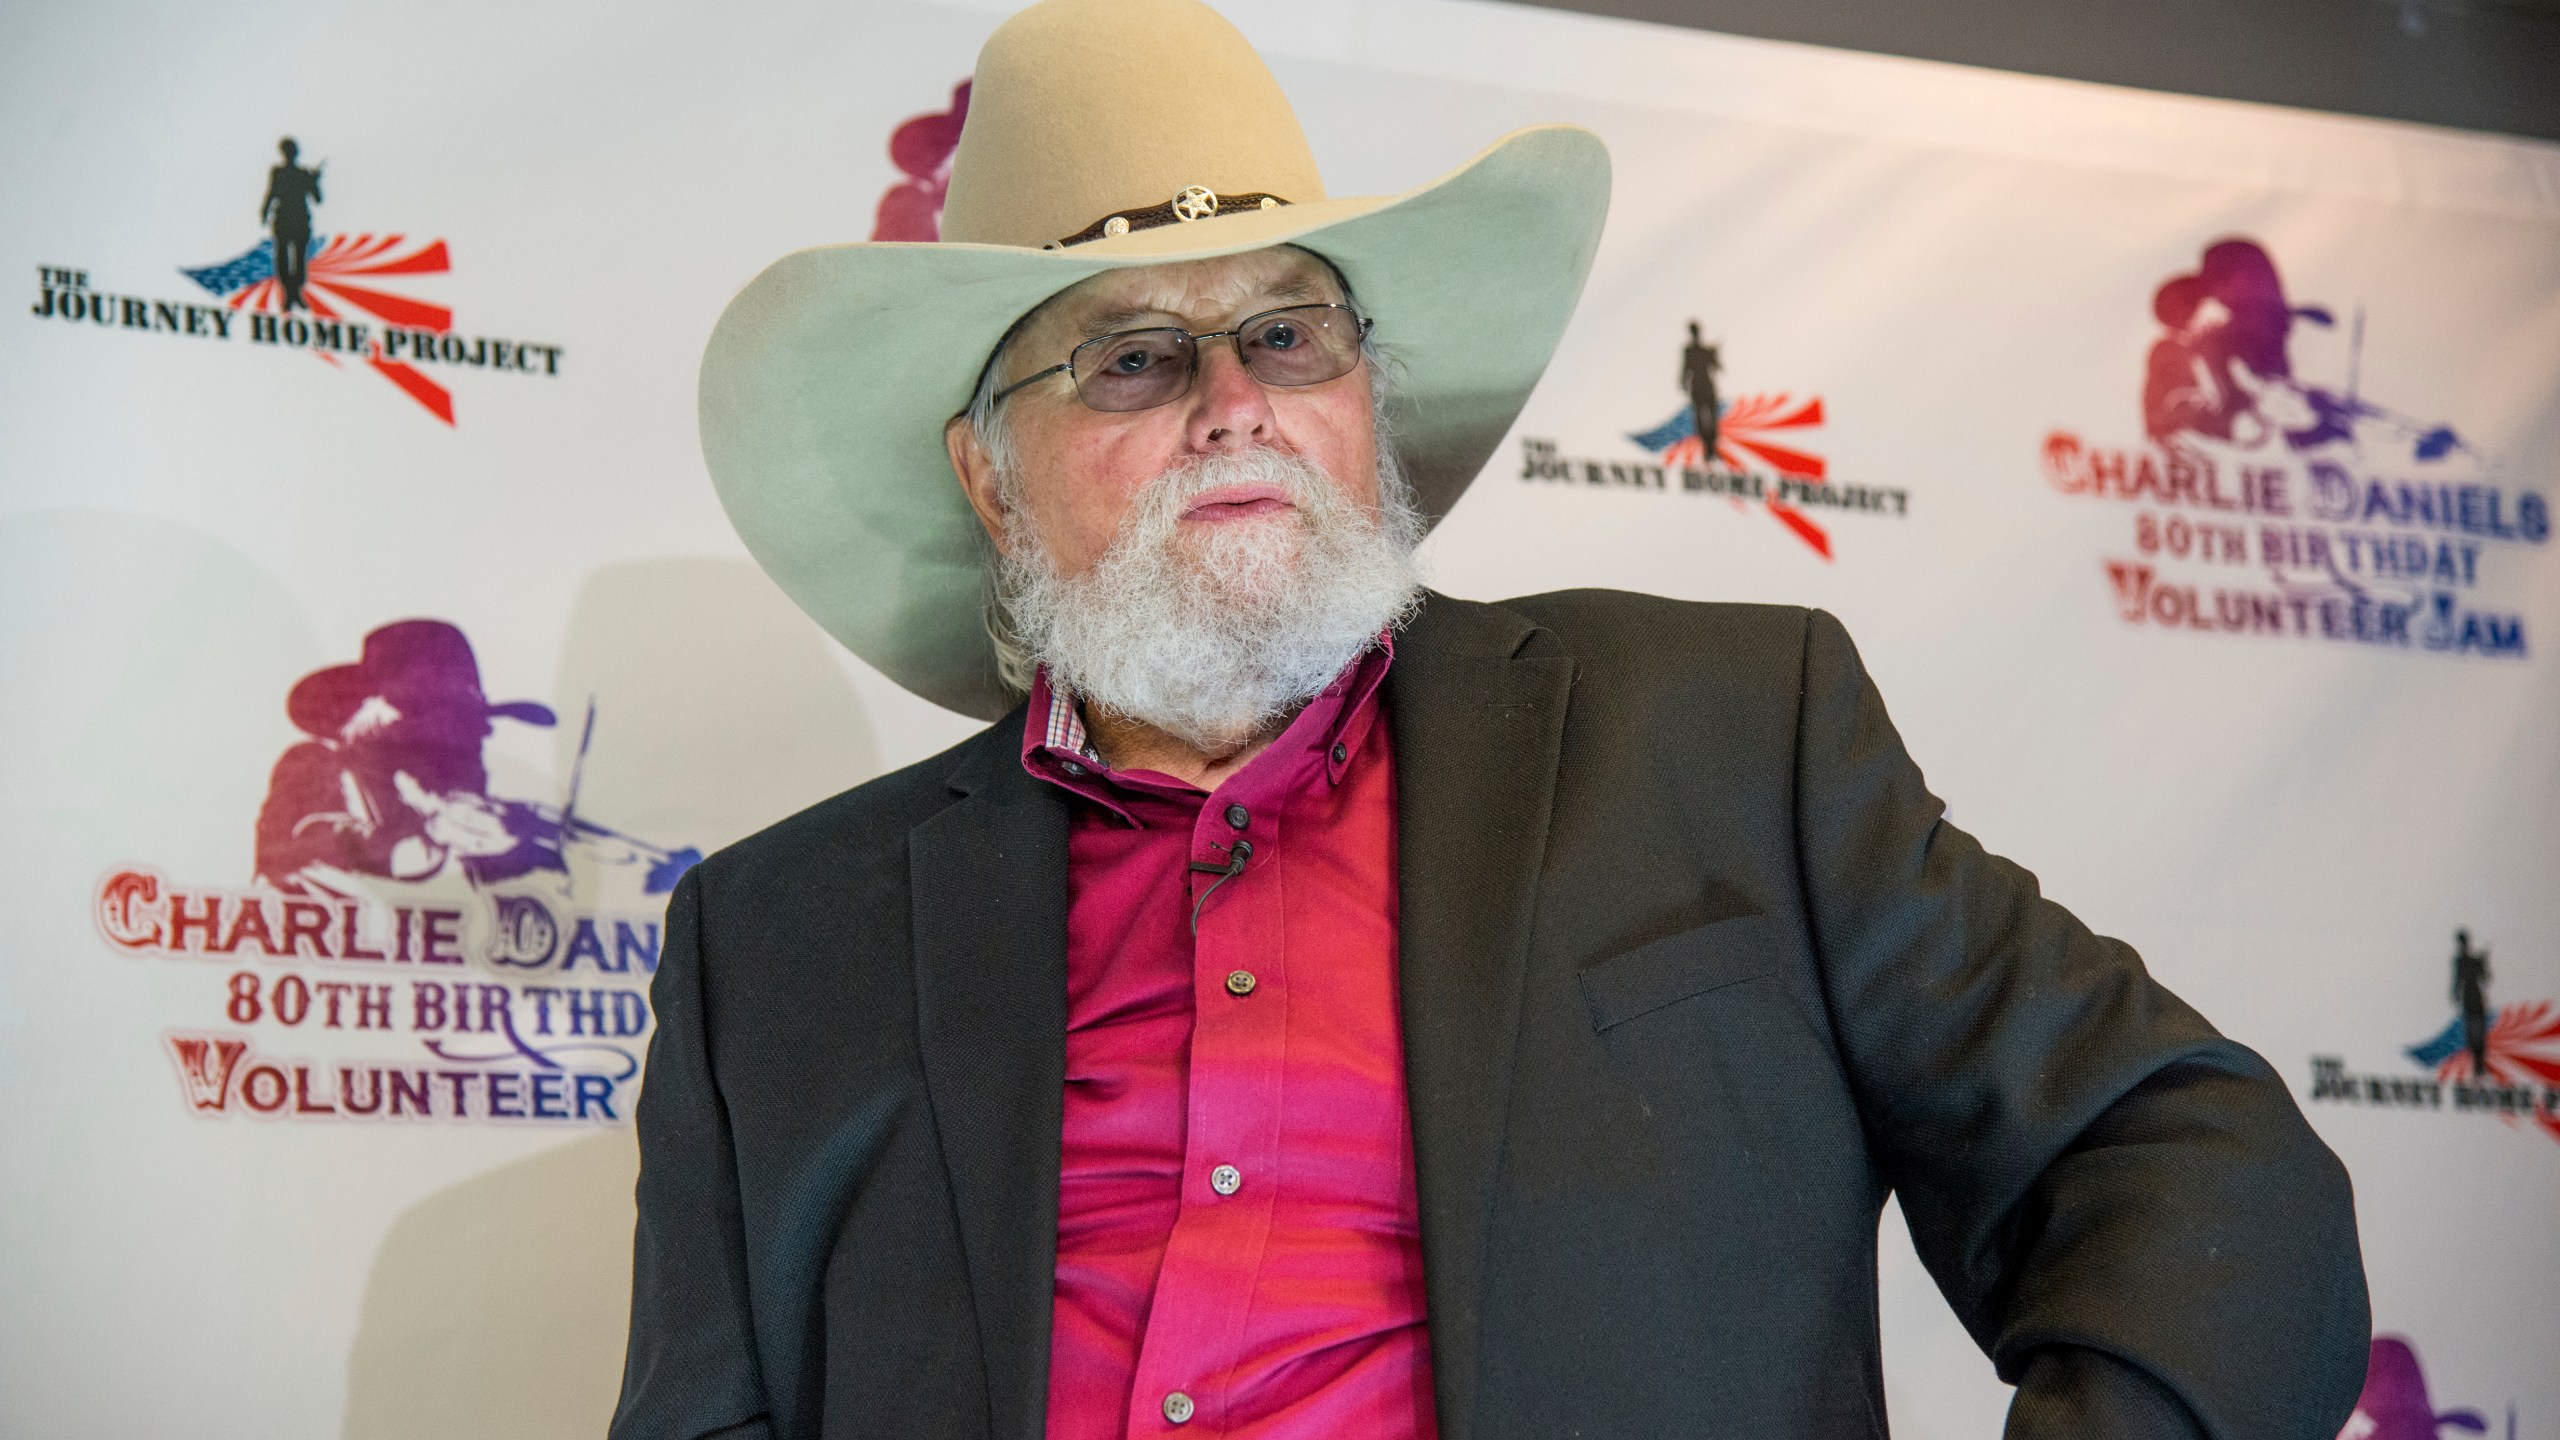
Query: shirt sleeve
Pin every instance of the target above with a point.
(690, 1372)
(2126, 1209)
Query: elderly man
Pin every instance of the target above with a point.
(1319, 1007)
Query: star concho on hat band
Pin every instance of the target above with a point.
(1195, 202)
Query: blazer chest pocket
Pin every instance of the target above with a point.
(1678, 967)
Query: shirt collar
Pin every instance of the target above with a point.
(1062, 731)
(1057, 747)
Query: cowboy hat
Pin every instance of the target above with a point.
(414, 666)
(1104, 134)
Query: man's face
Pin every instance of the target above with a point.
(1080, 469)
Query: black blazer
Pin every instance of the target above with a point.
(1692, 975)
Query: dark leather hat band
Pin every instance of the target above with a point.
(1196, 202)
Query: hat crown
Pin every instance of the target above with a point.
(1081, 109)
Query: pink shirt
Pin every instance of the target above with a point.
(1239, 1245)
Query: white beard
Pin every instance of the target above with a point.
(1212, 636)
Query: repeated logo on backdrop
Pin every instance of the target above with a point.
(2395, 1404)
(2487, 1060)
(1754, 450)
(921, 147)
(344, 299)
(2268, 502)
(412, 946)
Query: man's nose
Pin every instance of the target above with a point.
(1229, 408)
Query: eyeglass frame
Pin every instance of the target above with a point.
(1234, 336)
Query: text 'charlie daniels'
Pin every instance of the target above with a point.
(65, 295)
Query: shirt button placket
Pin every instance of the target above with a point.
(1228, 1099)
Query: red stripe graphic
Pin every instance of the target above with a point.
(399, 310)
(1742, 436)
(431, 261)
(1794, 463)
(342, 256)
(426, 392)
(1805, 529)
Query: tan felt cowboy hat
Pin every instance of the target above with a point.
(1104, 134)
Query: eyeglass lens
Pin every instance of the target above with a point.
(1139, 369)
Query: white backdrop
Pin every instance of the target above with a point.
(2286, 729)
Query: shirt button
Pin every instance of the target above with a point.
(1178, 1407)
(1226, 1180)
(1341, 754)
(1238, 817)
(1240, 982)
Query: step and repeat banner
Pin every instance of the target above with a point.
(374, 656)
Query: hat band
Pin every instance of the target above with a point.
(1196, 202)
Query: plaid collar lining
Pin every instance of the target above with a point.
(1065, 732)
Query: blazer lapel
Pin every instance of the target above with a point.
(989, 880)
(1478, 726)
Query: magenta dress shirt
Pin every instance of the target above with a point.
(1239, 1249)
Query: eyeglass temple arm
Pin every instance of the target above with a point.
(998, 398)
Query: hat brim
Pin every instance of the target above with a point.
(827, 381)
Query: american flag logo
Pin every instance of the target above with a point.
(345, 275)
(2523, 1050)
(1752, 432)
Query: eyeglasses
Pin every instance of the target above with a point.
(1141, 369)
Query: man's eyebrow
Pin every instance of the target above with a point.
(1120, 317)
(1300, 291)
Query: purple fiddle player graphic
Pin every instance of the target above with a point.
(391, 783)
(2224, 372)
(2395, 1406)
(2228, 329)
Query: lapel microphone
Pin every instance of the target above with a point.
(1234, 867)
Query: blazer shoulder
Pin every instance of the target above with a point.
(1626, 632)
(869, 821)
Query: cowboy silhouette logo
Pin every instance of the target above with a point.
(1699, 363)
(1750, 434)
(346, 299)
(1749, 450)
(2500, 1060)
(291, 192)
(2492, 1048)
(332, 294)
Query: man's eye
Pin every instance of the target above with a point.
(1280, 337)
(1130, 362)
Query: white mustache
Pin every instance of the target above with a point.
(1167, 498)
(1214, 633)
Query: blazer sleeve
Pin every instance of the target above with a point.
(690, 1371)
(2127, 1210)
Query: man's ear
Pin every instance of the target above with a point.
(976, 472)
